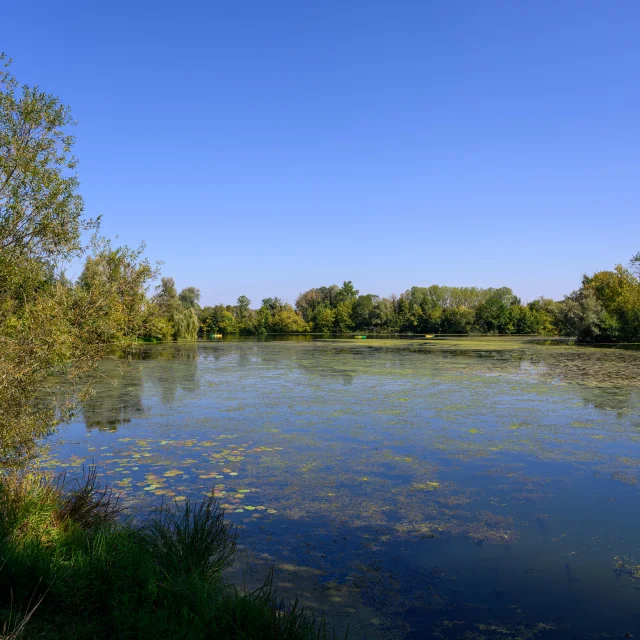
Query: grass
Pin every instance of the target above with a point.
(72, 567)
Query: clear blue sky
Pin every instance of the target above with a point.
(264, 147)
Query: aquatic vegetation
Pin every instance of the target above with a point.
(491, 630)
(349, 453)
(626, 567)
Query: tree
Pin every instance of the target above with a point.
(522, 320)
(580, 314)
(323, 320)
(342, 317)
(308, 302)
(185, 324)
(40, 225)
(286, 320)
(156, 327)
(362, 311)
(40, 208)
(190, 297)
(218, 319)
(493, 313)
(272, 305)
(456, 320)
(167, 296)
(545, 312)
(347, 292)
(606, 308)
(618, 292)
(276, 316)
(384, 316)
(178, 311)
(115, 284)
(243, 305)
(48, 325)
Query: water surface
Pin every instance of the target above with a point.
(475, 488)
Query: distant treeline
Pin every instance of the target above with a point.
(606, 308)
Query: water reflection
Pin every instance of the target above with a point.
(119, 383)
(623, 400)
(171, 369)
(117, 397)
(605, 379)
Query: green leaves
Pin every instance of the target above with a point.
(49, 326)
(40, 209)
(605, 309)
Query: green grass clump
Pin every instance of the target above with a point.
(71, 567)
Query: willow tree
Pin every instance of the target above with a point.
(178, 310)
(185, 324)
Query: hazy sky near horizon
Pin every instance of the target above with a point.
(262, 148)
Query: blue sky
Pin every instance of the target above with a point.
(262, 148)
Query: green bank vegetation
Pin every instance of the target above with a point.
(606, 308)
(72, 568)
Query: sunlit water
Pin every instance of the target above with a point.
(469, 488)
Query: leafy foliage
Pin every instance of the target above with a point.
(605, 309)
(177, 313)
(190, 297)
(40, 209)
(49, 325)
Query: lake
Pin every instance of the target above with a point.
(471, 487)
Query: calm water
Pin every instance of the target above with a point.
(468, 488)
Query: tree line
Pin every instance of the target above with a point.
(606, 308)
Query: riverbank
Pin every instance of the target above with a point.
(72, 566)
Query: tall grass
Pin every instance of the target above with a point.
(72, 567)
(193, 540)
